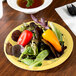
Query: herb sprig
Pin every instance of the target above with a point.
(29, 3)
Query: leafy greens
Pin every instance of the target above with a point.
(40, 57)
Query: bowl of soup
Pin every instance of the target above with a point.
(29, 6)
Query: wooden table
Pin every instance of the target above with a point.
(11, 19)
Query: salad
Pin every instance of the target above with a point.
(40, 40)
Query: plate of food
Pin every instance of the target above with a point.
(38, 45)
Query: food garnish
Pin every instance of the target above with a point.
(41, 22)
(29, 3)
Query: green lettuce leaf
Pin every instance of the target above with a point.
(41, 56)
(28, 51)
(27, 61)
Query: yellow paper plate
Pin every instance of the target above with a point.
(46, 64)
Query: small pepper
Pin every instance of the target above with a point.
(49, 36)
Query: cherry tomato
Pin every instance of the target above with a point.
(25, 38)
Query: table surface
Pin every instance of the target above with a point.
(11, 19)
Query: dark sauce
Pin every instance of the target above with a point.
(37, 3)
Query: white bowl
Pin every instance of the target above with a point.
(13, 4)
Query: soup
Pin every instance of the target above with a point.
(36, 3)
